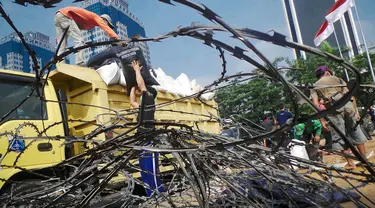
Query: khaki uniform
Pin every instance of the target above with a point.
(328, 93)
(345, 118)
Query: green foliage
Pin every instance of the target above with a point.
(364, 97)
(249, 100)
(304, 72)
(258, 95)
(362, 64)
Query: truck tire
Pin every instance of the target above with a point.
(26, 186)
(31, 186)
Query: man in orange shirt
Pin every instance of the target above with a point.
(78, 19)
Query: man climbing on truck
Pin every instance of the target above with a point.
(149, 161)
(75, 19)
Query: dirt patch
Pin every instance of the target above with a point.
(367, 189)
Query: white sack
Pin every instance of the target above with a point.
(298, 150)
(181, 86)
(109, 73)
(208, 96)
(184, 85)
(122, 80)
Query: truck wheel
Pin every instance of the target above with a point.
(31, 186)
(27, 186)
(22, 188)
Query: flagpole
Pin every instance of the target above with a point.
(364, 42)
(338, 45)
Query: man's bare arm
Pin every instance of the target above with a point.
(140, 81)
(355, 108)
(138, 76)
(133, 101)
(315, 99)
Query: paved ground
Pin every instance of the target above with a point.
(368, 190)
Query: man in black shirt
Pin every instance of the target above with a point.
(148, 161)
(282, 116)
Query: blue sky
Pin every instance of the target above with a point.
(184, 54)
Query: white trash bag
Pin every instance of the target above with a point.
(208, 96)
(184, 84)
(181, 86)
(122, 80)
(160, 78)
(195, 87)
(298, 149)
(109, 73)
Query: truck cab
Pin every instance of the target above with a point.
(27, 120)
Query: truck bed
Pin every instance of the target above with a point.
(85, 86)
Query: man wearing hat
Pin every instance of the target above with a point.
(309, 131)
(345, 118)
(77, 19)
(305, 131)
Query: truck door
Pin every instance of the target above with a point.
(22, 142)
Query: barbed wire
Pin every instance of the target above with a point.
(196, 168)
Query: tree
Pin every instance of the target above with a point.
(360, 62)
(258, 95)
(250, 100)
(307, 66)
(365, 96)
(304, 72)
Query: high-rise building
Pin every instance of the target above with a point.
(126, 25)
(305, 17)
(13, 55)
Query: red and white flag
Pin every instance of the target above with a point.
(338, 10)
(324, 32)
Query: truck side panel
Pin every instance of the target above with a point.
(189, 111)
(84, 85)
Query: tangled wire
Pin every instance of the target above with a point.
(197, 169)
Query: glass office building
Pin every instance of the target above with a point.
(13, 54)
(126, 25)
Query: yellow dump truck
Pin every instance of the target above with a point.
(77, 86)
